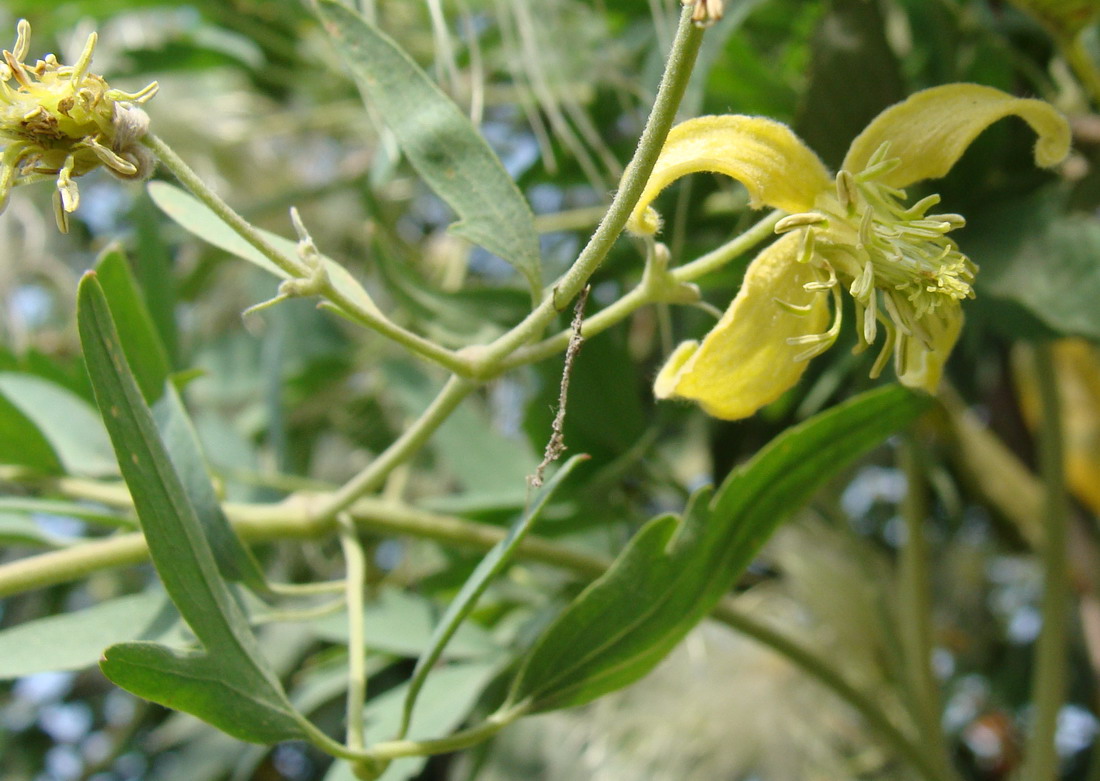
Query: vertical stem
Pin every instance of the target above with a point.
(182, 171)
(1048, 681)
(1073, 49)
(1094, 762)
(355, 580)
(681, 61)
(348, 305)
(915, 608)
(401, 450)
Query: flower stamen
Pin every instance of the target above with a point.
(63, 121)
(820, 343)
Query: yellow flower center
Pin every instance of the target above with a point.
(896, 261)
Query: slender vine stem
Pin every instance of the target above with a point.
(1048, 681)
(720, 256)
(915, 609)
(287, 521)
(292, 267)
(307, 589)
(1073, 49)
(74, 563)
(644, 294)
(355, 579)
(394, 749)
(301, 614)
(486, 358)
(295, 269)
(404, 447)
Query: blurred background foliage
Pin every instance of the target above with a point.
(254, 98)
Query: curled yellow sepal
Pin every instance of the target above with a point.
(929, 131)
(775, 166)
(746, 361)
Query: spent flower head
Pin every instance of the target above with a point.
(62, 121)
(706, 12)
(850, 232)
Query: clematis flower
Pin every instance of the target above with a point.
(850, 232)
(63, 121)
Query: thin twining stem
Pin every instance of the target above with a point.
(296, 269)
(644, 294)
(487, 358)
(356, 578)
(1048, 681)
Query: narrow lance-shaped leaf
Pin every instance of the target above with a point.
(140, 341)
(230, 685)
(73, 641)
(67, 422)
(674, 571)
(22, 443)
(440, 142)
(147, 357)
(487, 569)
(235, 560)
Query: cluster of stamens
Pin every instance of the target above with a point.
(896, 262)
(63, 121)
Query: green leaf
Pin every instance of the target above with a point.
(440, 142)
(230, 686)
(674, 571)
(154, 274)
(140, 341)
(487, 569)
(85, 512)
(1033, 255)
(67, 422)
(235, 560)
(19, 529)
(74, 641)
(195, 217)
(22, 444)
(148, 359)
(206, 686)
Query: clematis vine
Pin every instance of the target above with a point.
(852, 232)
(63, 121)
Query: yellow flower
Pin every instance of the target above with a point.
(62, 121)
(851, 231)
